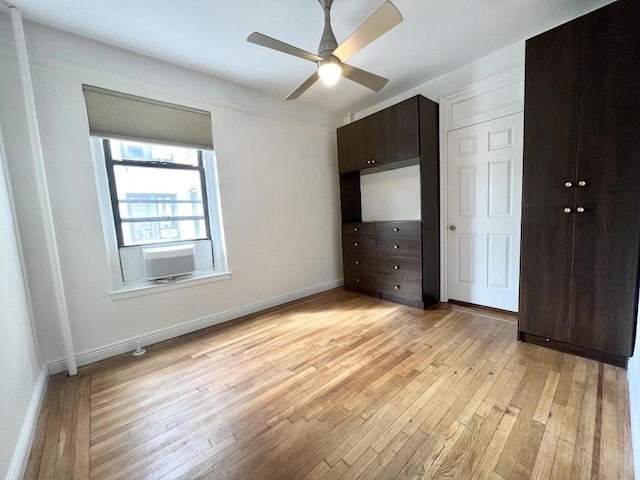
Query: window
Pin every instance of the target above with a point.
(157, 180)
(158, 192)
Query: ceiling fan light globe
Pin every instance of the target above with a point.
(329, 73)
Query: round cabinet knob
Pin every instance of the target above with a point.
(368, 162)
(568, 184)
(396, 229)
(357, 279)
(397, 287)
(567, 210)
(357, 262)
(396, 267)
(355, 229)
(582, 183)
(580, 209)
(452, 228)
(396, 247)
(355, 244)
(373, 162)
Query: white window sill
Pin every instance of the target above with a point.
(138, 289)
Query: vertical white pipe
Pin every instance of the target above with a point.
(43, 188)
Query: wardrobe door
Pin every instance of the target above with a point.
(552, 82)
(605, 280)
(609, 130)
(545, 271)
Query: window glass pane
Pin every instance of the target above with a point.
(159, 204)
(147, 152)
(138, 233)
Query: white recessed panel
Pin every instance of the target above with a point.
(466, 257)
(391, 195)
(501, 139)
(466, 191)
(500, 188)
(468, 146)
(498, 255)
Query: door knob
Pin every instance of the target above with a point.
(452, 228)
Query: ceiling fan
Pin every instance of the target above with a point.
(331, 56)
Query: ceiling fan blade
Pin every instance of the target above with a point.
(379, 23)
(264, 41)
(304, 87)
(366, 79)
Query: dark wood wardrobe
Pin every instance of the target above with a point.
(581, 185)
(396, 261)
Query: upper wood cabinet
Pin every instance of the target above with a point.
(552, 82)
(385, 137)
(609, 128)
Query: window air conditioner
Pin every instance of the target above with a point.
(167, 262)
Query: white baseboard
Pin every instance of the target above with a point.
(633, 379)
(129, 345)
(23, 447)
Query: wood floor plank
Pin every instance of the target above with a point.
(339, 385)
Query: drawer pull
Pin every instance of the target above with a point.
(397, 287)
(396, 267)
(396, 247)
(355, 244)
(396, 229)
(355, 229)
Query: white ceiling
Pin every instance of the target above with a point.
(436, 37)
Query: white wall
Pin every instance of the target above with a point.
(278, 181)
(633, 376)
(391, 195)
(18, 357)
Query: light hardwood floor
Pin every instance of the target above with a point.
(340, 386)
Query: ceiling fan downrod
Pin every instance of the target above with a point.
(328, 41)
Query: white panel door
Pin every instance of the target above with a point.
(484, 190)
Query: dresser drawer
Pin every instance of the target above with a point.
(364, 244)
(358, 261)
(399, 228)
(399, 246)
(404, 267)
(400, 287)
(358, 228)
(360, 280)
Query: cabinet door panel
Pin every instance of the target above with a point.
(545, 271)
(552, 82)
(609, 132)
(383, 127)
(354, 146)
(408, 129)
(605, 276)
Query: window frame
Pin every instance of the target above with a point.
(122, 289)
(115, 202)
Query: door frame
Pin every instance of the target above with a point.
(495, 97)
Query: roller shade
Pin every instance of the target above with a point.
(118, 115)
